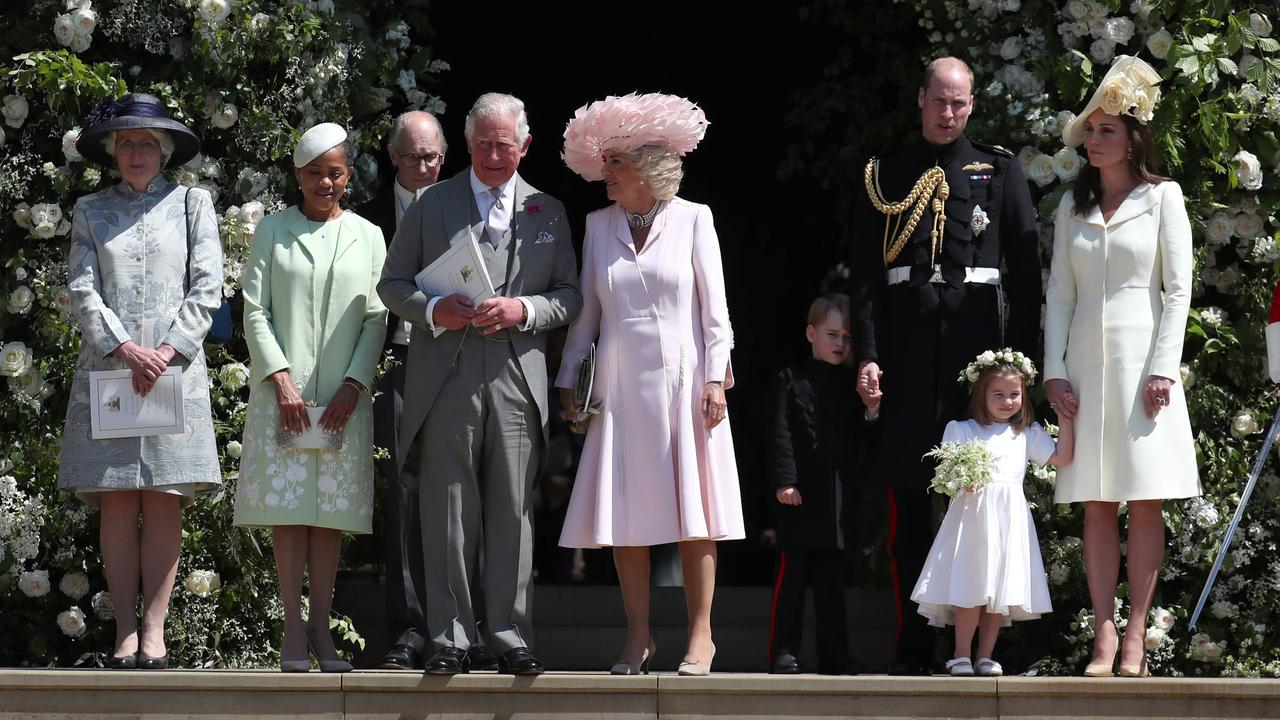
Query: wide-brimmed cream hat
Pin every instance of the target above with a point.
(1128, 88)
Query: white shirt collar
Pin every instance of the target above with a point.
(479, 188)
(403, 194)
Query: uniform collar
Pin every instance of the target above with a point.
(942, 154)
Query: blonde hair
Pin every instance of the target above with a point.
(1022, 419)
(821, 307)
(660, 168)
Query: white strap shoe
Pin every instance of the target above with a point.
(989, 668)
(960, 667)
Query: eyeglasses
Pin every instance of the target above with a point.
(129, 147)
(431, 159)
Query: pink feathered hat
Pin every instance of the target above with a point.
(627, 123)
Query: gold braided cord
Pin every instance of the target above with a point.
(931, 189)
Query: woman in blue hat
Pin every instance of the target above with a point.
(145, 275)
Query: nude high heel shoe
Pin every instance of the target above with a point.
(624, 667)
(698, 667)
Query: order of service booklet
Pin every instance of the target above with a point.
(116, 411)
(459, 271)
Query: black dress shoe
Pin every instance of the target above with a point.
(841, 667)
(785, 664)
(481, 659)
(448, 661)
(519, 661)
(146, 662)
(402, 657)
(911, 666)
(122, 662)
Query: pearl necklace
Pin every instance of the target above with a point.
(637, 221)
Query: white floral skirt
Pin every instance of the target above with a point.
(318, 488)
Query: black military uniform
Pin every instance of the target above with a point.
(924, 314)
(814, 446)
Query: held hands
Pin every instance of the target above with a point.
(1061, 398)
(453, 312)
(145, 363)
(869, 374)
(713, 404)
(341, 405)
(789, 495)
(293, 411)
(1155, 394)
(498, 313)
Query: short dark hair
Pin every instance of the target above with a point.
(1087, 191)
(1022, 419)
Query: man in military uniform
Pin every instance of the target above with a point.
(938, 220)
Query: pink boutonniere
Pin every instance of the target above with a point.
(533, 208)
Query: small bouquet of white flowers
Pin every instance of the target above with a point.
(961, 466)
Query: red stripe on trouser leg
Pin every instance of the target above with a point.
(893, 566)
(773, 610)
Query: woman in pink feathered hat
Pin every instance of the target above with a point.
(658, 466)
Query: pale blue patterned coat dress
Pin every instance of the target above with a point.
(130, 278)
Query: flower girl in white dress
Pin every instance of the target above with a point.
(984, 569)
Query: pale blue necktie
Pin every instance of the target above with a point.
(499, 218)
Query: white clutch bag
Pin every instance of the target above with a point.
(313, 438)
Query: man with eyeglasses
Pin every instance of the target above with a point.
(416, 148)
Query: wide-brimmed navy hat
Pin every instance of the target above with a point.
(134, 111)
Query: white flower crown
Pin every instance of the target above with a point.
(990, 359)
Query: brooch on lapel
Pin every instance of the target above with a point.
(544, 237)
(979, 221)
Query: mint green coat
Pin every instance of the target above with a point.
(311, 306)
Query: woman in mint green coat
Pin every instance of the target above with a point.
(315, 329)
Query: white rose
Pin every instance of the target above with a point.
(1259, 24)
(15, 110)
(1155, 636)
(81, 42)
(1226, 280)
(1117, 96)
(1119, 30)
(225, 116)
(1064, 117)
(78, 4)
(64, 30)
(1243, 424)
(21, 300)
(34, 583)
(29, 384)
(1187, 376)
(103, 608)
(1159, 43)
(1142, 8)
(214, 12)
(69, 139)
(1162, 619)
(1248, 170)
(15, 359)
(1025, 156)
(84, 20)
(62, 299)
(71, 622)
(1220, 227)
(234, 449)
(1040, 169)
(202, 583)
(1067, 163)
(1077, 10)
(1011, 48)
(260, 21)
(1102, 50)
(1144, 103)
(186, 177)
(1248, 225)
(234, 376)
(74, 585)
(252, 212)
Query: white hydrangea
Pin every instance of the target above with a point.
(1213, 316)
(1264, 250)
(1201, 512)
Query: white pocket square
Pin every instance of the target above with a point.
(544, 237)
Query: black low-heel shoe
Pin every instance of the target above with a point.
(146, 662)
(122, 662)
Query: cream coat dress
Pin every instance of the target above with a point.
(1117, 303)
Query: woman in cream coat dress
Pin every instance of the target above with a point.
(1119, 292)
(658, 466)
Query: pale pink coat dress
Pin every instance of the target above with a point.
(651, 472)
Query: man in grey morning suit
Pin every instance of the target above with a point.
(476, 396)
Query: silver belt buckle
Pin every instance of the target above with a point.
(936, 277)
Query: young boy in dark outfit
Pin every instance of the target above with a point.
(815, 419)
